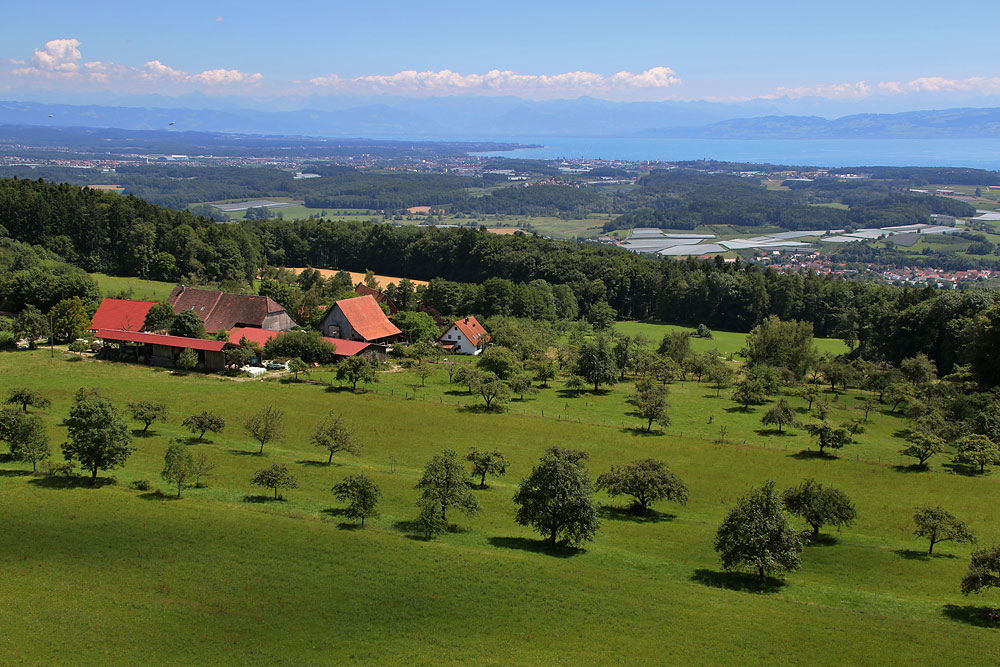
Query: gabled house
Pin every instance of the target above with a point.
(465, 336)
(380, 297)
(222, 310)
(121, 315)
(359, 319)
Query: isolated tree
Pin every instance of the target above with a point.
(781, 414)
(494, 392)
(265, 425)
(334, 436)
(148, 412)
(984, 571)
(828, 436)
(545, 371)
(750, 391)
(203, 467)
(923, 445)
(443, 485)
(500, 361)
(187, 324)
(757, 536)
(355, 370)
(651, 402)
(486, 463)
(361, 494)
(158, 317)
(423, 370)
(178, 466)
(575, 383)
(297, 366)
(31, 325)
(977, 451)
(276, 476)
(808, 393)
(203, 423)
(721, 375)
(647, 481)
(98, 436)
(26, 436)
(938, 525)
(819, 505)
(24, 397)
(187, 360)
(69, 318)
(556, 499)
(521, 385)
(429, 520)
(596, 362)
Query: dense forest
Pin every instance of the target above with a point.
(475, 270)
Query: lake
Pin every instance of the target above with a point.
(978, 153)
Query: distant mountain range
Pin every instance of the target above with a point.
(456, 118)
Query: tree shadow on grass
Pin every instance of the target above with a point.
(981, 617)
(737, 581)
(318, 464)
(76, 482)
(536, 546)
(773, 432)
(962, 469)
(614, 513)
(822, 540)
(338, 390)
(913, 554)
(244, 452)
(807, 454)
(15, 473)
(911, 467)
(261, 498)
(479, 408)
(641, 431)
(139, 433)
(411, 530)
(158, 495)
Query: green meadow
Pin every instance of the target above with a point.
(132, 288)
(222, 575)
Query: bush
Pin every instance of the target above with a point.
(55, 469)
(141, 485)
(79, 346)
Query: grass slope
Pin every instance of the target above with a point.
(120, 576)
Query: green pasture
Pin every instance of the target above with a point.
(118, 576)
(726, 342)
(132, 288)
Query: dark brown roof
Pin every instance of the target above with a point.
(222, 310)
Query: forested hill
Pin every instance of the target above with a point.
(471, 269)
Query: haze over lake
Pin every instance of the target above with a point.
(978, 153)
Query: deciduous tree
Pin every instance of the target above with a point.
(939, 525)
(361, 494)
(265, 425)
(819, 505)
(24, 397)
(187, 324)
(486, 463)
(651, 402)
(977, 451)
(596, 363)
(203, 423)
(355, 370)
(178, 466)
(984, 571)
(557, 498)
(646, 480)
(98, 436)
(276, 476)
(756, 535)
(334, 436)
(781, 414)
(923, 445)
(158, 317)
(443, 485)
(148, 412)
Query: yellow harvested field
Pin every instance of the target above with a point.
(502, 230)
(383, 281)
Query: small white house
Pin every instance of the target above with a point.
(465, 336)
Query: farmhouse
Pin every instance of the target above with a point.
(160, 350)
(359, 319)
(380, 297)
(465, 336)
(222, 310)
(121, 315)
(342, 348)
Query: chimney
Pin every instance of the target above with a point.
(466, 320)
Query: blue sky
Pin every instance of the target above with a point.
(621, 50)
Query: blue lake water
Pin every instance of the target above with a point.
(978, 153)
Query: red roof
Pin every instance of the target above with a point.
(379, 296)
(157, 339)
(473, 330)
(259, 336)
(347, 348)
(366, 318)
(121, 314)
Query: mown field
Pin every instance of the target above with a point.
(118, 576)
(132, 288)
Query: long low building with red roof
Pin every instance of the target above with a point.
(342, 347)
(121, 314)
(161, 350)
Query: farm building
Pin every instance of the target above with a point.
(121, 315)
(360, 319)
(222, 310)
(160, 350)
(379, 296)
(465, 336)
(342, 348)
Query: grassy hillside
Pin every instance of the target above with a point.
(230, 578)
(132, 288)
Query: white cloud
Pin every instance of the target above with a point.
(936, 84)
(836, 91)
(61, 60)
(505, 82)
